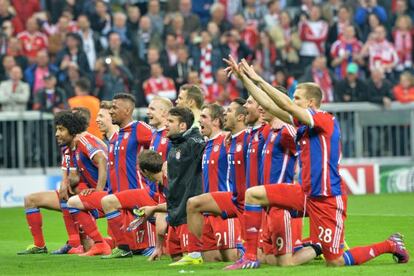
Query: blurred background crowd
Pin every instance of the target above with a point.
(56, 54)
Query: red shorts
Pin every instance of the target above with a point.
(280, 233)
(220, 234)
(135, 198)
(177, 239)
(92, 203)
(226, 205)
(326, 215)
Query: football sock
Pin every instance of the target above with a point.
(116, 224)
(360, 255)
(252, 219)
(194, 245)
(34, 219)
(71, 226)
(87, 223)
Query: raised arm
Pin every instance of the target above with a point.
(279, 98)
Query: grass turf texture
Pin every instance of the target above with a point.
(370, 219)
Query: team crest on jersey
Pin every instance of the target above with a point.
(216, 148)
(238, 147)
(126, 135)
(163, 141)
(178, 155)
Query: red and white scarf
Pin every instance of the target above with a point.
(206, 74)
(403, 42)
(325, 82)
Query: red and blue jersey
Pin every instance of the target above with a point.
(110, 143)
(214, 165)
(236, 169)
(319, 155)
(279, 156)
(161, 144)
(67, 162)
(124, 149)
(82, 155)
(257, 139)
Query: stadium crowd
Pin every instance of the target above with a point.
(57, 54)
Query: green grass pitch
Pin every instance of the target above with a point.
(370, 219)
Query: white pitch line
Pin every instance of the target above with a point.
(379, 215)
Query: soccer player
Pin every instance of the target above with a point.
(128, 187)
(68, 126)
(227, 200)
(221, 237)
(104, 122)
(321, 193)
(184, 181)
(191, 96)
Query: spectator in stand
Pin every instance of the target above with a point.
(272, 18)
(222, 91)
(51, 99)
(366, 8)
(401, 8)
(89, 40)
(218, 16)
(72, 76)
(177, 29)
(25, 9)
(34, 74)
(154, 14)
(203, 10)
(82, 98)
(8, 29)
(7, 13)
(56, 34)
(146, 37)
(8, 63)
(14, 49)
(179, 72)
(194, 78)
(404, 91)
(287, 41)
(232, 7)
(373, 23)
(116, 49)
(191, 20)
(101, 21)
(134, 15)
(159, 85)
(344, 51)
(115, 79)
(215, 34)
(207, 58)
(381, 53)
(403, 42)
(266, 55)
(14, 93)
(330, 11)
(120, 27)
(379, 88)
(253, 14)
(248, 32)
(320, 74)
(351, 88)
(305, 10)
(32, 40)
(337, 29)
(282, 78)
(168, 56)
(72, 53)
(313, 33)
(235, 46)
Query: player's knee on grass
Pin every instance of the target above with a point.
(285, 260)
(230, 255)
(75, 202)
(212, 256)
(337, 262)
(110, 203)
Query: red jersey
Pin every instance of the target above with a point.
(214, 165)
(258, 136)
(162, 86)
(82, 155)
(32, 43)
(123, 154)
(236, 170)
(319, 155)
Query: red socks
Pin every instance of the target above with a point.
(71, 228)
(87, 223)
(252, 217)
(34, 219)
(116, 224)
(360, 255)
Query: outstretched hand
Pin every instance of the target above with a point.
(249, 71)
(232, 68)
